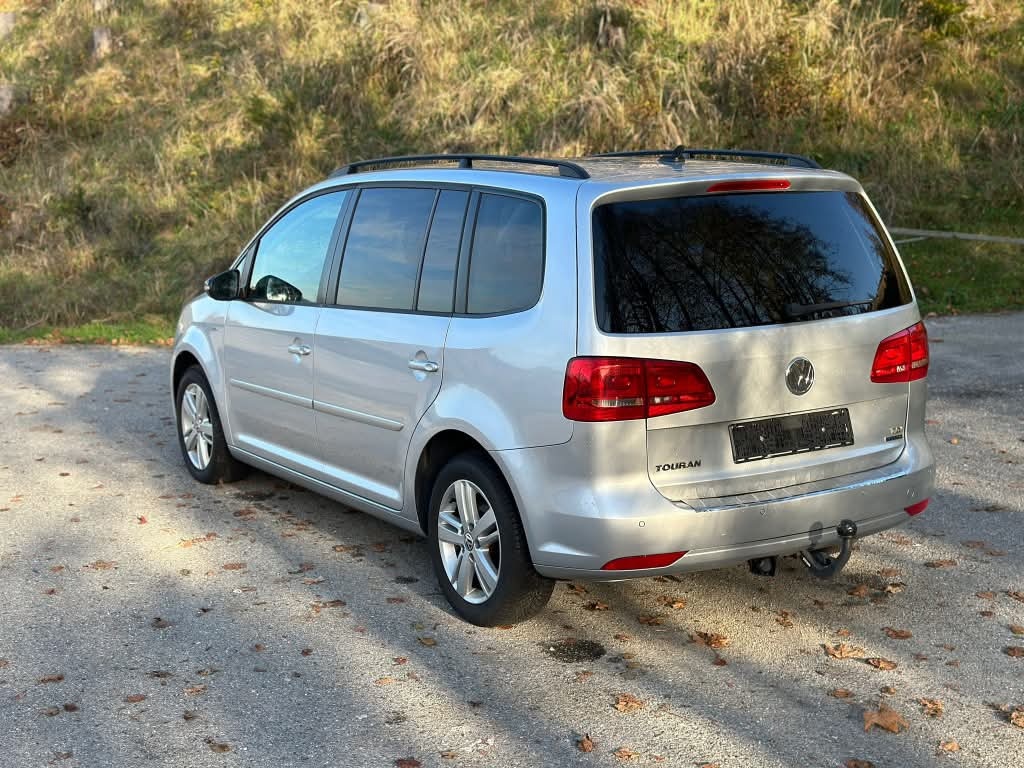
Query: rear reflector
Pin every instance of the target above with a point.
(622, 388)
(902, 357)
(642, 561)
(917, 509)
(750, 185)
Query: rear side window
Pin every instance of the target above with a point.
(437, 279)
(506, 267)
(384, 248)
(733, 261)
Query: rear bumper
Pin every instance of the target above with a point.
(576, 527)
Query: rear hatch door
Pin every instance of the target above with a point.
(782, 298)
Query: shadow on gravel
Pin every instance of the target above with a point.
(248, 578)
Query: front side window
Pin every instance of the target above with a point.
(506, 267)
(291, 254)
(384, 248)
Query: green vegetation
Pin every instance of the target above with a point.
(127, 178)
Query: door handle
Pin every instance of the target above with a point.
(427, 366)
(299, 349)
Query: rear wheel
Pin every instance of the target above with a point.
(200, 434)
(478, 546)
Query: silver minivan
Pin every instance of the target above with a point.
(622, 366)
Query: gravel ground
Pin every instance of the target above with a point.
(148, 620)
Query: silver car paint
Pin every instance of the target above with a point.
(585, 491)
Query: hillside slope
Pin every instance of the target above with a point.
(129, 172)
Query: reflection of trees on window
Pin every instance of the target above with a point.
(735, 261)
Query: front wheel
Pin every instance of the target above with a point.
(478, 546)
(200, 434)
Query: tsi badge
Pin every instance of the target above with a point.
(799, 375)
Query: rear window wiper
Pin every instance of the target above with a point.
(795, 311)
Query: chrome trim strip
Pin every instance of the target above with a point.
(276, 394)
(363, 418)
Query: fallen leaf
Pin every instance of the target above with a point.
(840, 693)
(675, 603)
(1017, 629)
(586, 744)
(407, 762)
(879, 663)
(843, 651)
(583, 676)
(1017, 717)
(783, 619)
(885, 718)
(949, 746)
(135, 698)
(888, 690)
(100, 565)
(624, 754)
(853, 763)
(578, 588)
(650, 621)
(940, 564)
(384, 681)
(392, 600)
(51, 711)
(843, 633)
(449, 754)
(189, 715)
(306, 651)
(622, 637)
(596, 605)
(931, 707)
(1016, 595)
(710, 639)
(1015, 651)
(195, 690)
(218, 746)
(986, 595)
(51, 679)
(898, 634)
(889, 573)
(159, 623)
(626, 702)
(70, 707)
(427, 641)
(233, 566)
(4, 663)
(861, 590)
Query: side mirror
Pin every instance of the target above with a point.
(273, 288)
(223, 287)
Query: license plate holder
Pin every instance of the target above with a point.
(787, 435)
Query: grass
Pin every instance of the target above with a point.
(152, 331)
(125, 180)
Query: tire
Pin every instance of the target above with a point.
(208, 459)
(499, 585)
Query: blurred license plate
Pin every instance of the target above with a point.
(785, 435)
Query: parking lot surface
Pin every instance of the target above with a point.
(149, 620)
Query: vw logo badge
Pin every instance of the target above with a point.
(799, 376)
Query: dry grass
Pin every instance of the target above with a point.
(125, 180)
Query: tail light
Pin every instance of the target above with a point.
(621, 388)
(902, 357)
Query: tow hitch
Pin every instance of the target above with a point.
(823, 565)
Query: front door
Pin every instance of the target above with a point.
(269, 351)
(380, 350)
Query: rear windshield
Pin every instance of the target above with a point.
(734, 261)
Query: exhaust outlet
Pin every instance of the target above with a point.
(822, 564)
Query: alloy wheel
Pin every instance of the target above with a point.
(196, 426)
(469, 540)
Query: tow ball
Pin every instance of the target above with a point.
(822, 564)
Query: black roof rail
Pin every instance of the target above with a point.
(565, 168)
(681, 153)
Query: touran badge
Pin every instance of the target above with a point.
(800, 376)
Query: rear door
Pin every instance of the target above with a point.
(782, 299)
(380, 348)
(268, 337)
